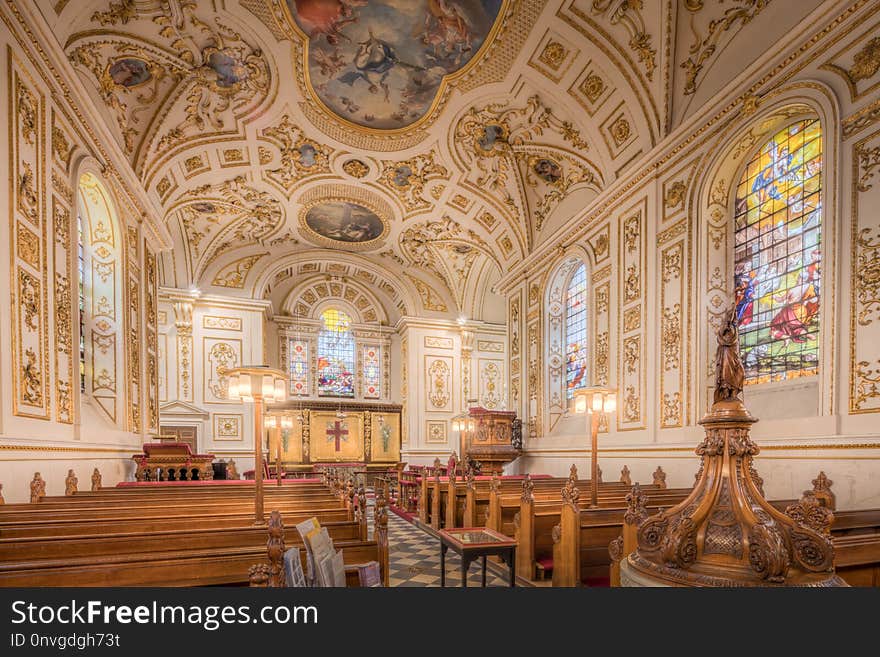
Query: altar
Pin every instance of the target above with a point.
(328, 433)
(172, 461)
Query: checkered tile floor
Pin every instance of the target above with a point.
(415, 558)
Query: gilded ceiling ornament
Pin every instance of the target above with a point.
(866, 62)
(121, 12)
(592, 87)
(209, 66)
(629, 14)
(431, 300)
(490, 134)
(356, 168)
(444, 248)
(300, 156)
(620, 131)
(228, 216)
(553, 179)
(407, 179)
(703, 47)
(553, 54)
(234, 274)
(130, 81)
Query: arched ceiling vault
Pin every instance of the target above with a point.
(436, 142)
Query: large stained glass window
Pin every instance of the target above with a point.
(576, 332)
(335, 355)
(299, 368)
(372, 372)
(777, 271)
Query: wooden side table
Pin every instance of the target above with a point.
(473, 542)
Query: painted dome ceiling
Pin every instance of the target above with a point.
(422, 147)
(381, 64)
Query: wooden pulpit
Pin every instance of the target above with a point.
(495, 441)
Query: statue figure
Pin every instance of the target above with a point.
(96, 480)
(70, 483)
(2, 501)
(38, 488)
(231, 471)
(729, 373)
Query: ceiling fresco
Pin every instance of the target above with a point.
(380, 64)
(430, 145)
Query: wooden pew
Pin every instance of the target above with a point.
(538, 518)
(169, 547)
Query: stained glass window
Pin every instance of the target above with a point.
(777, 271)
(372, 372)
(576, 332)
(335, 355)
(299, 368)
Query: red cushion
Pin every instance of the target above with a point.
(601, 582)
(545, 562)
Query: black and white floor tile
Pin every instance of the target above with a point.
(414, 558)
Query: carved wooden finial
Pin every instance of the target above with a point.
(636, 506)
(527, 487)
(823, 492)
(495, 483)
(470, 478)
(809, 512)
(598, 474)
(2, 501)
(70, 483)
(625, 477)
(275, 548)
(659, 477)
(38, 488)
(258, 575)
(573, 473)
(96, 480)
(615, 549)
(381, 511)
(570, 492)
(729, 372)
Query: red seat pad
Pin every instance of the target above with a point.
(545, 562)
(597, 582)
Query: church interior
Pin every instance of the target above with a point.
(587, 287)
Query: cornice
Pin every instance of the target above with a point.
(475, 326)
(171, 295)
(77, 100)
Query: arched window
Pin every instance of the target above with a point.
(576, 332)
(777, 270)
(100, 283)
(336, 355)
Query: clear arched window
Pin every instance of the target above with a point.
(576, 331)
(336, 355)
(777, 270)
